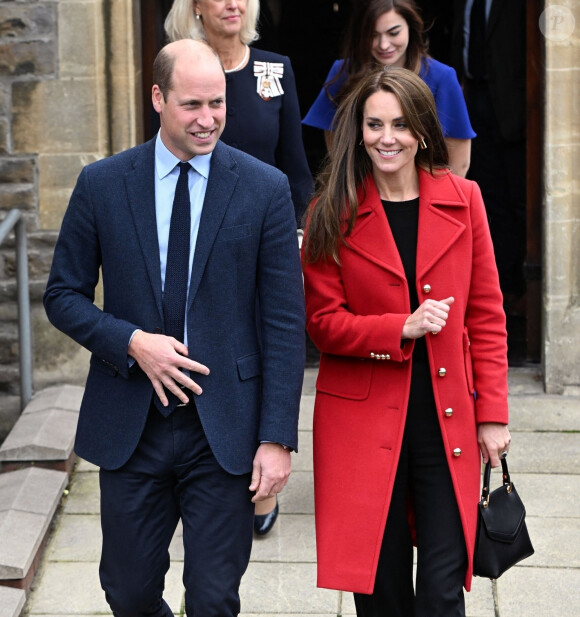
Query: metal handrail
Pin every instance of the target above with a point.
(15, 220)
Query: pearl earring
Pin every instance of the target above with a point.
(197, 16)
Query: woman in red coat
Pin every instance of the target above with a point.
(403, 302)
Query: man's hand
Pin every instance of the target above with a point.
(161, 358)
(271, 471)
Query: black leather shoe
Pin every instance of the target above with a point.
(264, 522)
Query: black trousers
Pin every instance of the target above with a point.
(173, 474)
(422, 477)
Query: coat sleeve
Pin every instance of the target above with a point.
(335, 329)
(485, 322)
(70, 292)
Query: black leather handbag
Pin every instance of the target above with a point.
(502, 536)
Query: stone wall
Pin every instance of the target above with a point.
(69, 95)
(28, 54)
(561, 294)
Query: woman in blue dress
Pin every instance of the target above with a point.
(263, 116)
(390, 32)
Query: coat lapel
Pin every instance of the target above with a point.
(371, 236)
(140, 183)
(438, 228)
(220, 187)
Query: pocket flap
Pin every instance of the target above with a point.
(249, 366)
(344, 377)
(227, 234)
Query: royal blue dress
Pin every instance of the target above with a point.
(442, 81)
(263, 119)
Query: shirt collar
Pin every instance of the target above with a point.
(165, 161)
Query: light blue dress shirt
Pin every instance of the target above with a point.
(166, 175)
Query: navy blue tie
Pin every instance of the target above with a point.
(177, 270)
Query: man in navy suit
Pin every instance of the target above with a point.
(224, 443)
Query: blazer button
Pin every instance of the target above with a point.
(442, 372)
(457, 452)
(427, 289)
(449, 412)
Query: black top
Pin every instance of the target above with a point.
(403, 217)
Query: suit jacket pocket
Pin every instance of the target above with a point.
(344, 376)
(249, 366)
(228, 234)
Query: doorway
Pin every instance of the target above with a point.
(311, 33)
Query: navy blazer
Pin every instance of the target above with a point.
(246, 256)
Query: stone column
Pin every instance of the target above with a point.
(561, 294)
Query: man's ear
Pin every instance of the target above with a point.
(157, 98)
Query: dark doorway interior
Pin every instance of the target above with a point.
(310, 33)
(153, 14)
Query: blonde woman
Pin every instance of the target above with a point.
(263, 117)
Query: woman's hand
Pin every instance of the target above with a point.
(431, 316)
(494, 439)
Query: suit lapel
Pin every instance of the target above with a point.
(494, 13)
(140, 183)
(438, 229)
(220, 187)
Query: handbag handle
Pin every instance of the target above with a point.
(487, 477)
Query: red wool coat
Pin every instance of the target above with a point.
(355, 315)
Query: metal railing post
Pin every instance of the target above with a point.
(24, 327)
(14, 219)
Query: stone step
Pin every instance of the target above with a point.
(11, 601)
(45, 431)
(28, 501)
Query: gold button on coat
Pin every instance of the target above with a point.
(449, 412)
(427, 289)
(457, 452)
(442, 372)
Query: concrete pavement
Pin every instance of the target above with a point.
(282, 573)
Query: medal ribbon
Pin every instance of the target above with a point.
(272, 72)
